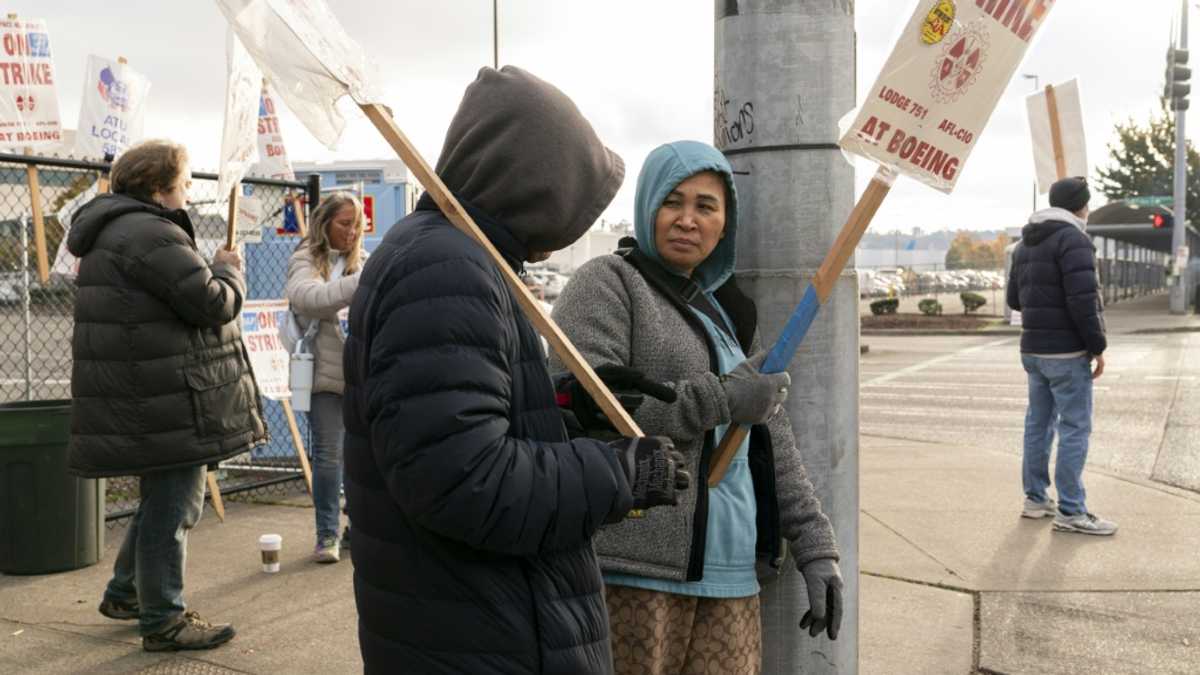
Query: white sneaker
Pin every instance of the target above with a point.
(1084, 523)
(1039, 509)
(327, 551)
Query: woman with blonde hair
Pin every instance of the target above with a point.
(322, 276)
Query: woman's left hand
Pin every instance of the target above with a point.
(824, 581)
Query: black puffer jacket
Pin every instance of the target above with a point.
(473, 514)
(160, 378)
(1053, 284)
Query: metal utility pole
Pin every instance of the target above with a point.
(784, 77)
(495, 34)
(1178, 89)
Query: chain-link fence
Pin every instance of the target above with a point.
(36, 316)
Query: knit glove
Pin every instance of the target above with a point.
(824, 581)
(754, 397)
(654, 469)
(583, 417)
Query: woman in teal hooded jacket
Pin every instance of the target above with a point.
(683, 583)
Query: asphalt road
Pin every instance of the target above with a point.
(971, 391)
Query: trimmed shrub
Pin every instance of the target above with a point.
(885, 306)
(930, 307)
(972, 301)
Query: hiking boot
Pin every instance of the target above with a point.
(191, 632)
(327, 551)
(120, 610)
(1084, 523)
(1046, 509)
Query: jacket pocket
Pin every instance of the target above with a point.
(222, 402)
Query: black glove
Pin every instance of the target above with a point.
(654, 469)
(824, 582)
(583, 417)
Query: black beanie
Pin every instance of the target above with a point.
(1071, 194)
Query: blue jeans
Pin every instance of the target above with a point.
(328, 434)
(1060, 395)
(149, 566)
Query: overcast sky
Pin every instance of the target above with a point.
(640, 70)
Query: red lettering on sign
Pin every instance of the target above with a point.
(1021, 17)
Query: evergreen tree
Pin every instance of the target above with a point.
(1143, 161)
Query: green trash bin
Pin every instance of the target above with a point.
(50, 520)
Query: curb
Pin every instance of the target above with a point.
(934, 332)
(1162, 331)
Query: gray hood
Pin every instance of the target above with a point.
(520, 151)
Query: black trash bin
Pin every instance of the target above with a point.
(50, 521)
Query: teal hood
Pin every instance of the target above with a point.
(666, 167)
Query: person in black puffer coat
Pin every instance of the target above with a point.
(1053, 284)
(473, 513)
(161, 383)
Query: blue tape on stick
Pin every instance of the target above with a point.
(793, 334)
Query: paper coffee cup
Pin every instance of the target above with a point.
(270, 545)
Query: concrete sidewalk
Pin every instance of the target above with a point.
(952, 580)
(301, 620)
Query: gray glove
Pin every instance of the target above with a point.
(754, 397)
(824, 581)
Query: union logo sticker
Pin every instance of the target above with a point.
(960, 63)
(938, 22)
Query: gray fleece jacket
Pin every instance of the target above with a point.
(614, 315)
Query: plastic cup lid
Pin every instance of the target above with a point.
(270, 539)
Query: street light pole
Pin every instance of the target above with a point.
(1036, 88)
(495, 34)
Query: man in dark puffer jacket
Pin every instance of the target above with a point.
(161, 383)
(473, 513)
(1053, 284)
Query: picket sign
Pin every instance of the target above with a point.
(922, 119)
(215, 493)
(39, 222)
(1060, 159)
(321, 64)
(297, 441)
(818, 292)
(270, 360)
(298, 209)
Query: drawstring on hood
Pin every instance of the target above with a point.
(665, 168)
(520, 151)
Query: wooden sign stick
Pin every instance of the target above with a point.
(457, 215)
(39, 223)
(231, 226)
(1060, 157)
(215, 493)
(301, 224)
(819, 288)
(298, 442)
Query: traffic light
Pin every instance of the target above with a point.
(1178, 74)
(1161, 220)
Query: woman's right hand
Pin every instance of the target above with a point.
(753, 396)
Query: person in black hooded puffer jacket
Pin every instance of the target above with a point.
(1053, 284)
(473, 513)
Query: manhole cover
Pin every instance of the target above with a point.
(182, 666)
